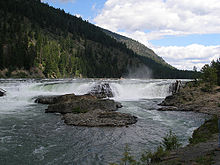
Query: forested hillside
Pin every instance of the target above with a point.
(137, 47)
(47, 42)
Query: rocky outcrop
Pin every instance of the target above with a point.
(85, 105)
(87, 110)
(192, 98)
(102, 90)
(46, 99)
(99, 118)
(62, 98)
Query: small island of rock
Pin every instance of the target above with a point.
(87, 110)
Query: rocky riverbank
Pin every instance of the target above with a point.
(87, 110)
(193, 98)
(203, 144)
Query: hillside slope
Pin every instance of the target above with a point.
(137, 47)
(47, 42)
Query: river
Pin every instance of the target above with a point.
(28, 135)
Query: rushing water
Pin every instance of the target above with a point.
(30, 136)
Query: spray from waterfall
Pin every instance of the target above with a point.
(141, 72)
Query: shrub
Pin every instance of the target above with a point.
(170, 141)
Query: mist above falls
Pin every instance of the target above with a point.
(141, 72)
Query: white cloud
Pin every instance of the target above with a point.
(174, 16)
(188, 56)
(146, 20)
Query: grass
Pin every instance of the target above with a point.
(205, 132)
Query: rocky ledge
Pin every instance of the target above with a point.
(98, 118)
(193, 98)
(87, 110)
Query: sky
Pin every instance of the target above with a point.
(185, 33)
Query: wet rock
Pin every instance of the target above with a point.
(46, 99)
(83, 105)
(99, 118)
(87, 110)
(2, 92)
(62, 98)
(168, 101)
(168, 108)
(102, 90)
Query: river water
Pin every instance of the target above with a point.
(30, 136)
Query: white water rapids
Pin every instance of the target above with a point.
(30, 136)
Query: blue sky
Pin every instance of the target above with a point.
(86, 8)
(185, 33)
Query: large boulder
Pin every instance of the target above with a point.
(83, 105)
(46, 99)
(87, 110)
(99, 118)
(62, 98)
(102, 90)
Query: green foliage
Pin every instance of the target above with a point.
(209, 74)
(170, 142)
(127, 159)
(205, 132)
(216, 65)
(154, 157)
(209, 77)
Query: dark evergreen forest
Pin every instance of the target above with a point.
(40, 38)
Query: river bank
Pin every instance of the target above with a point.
(204, 142)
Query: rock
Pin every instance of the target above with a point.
(46, 99)
(70, 102)
(61, 98)
(193, 98)
(2, 92)
(87, 110)
(102, 90)
(168, 101)
(99, 118)
(83, 105)
(168, 108)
